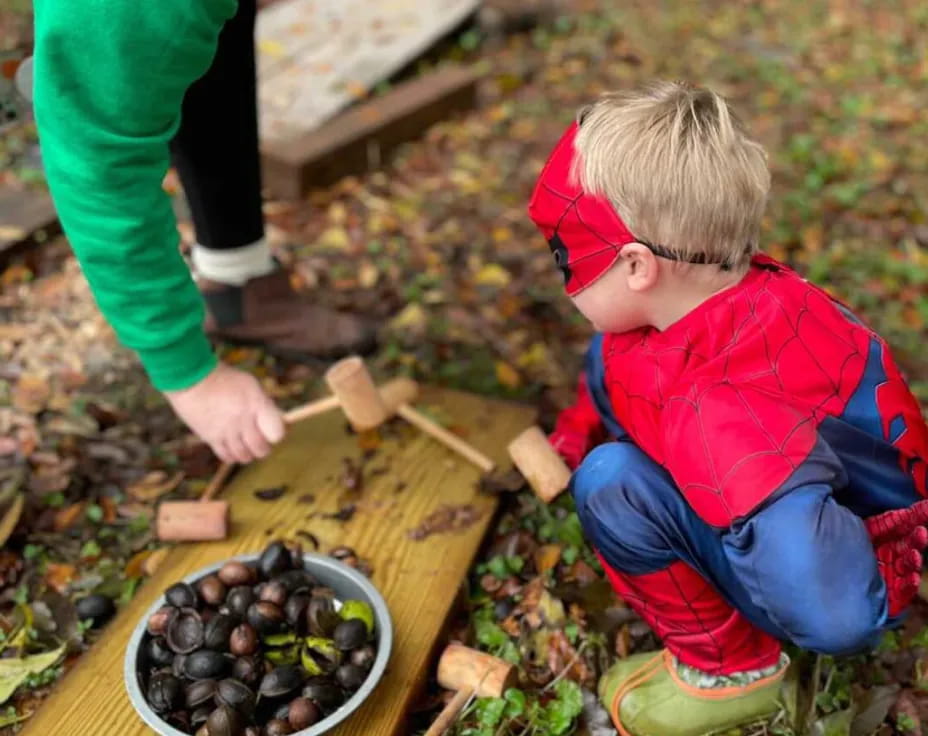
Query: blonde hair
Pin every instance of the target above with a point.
(679, 168)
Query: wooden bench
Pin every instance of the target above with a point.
(408, 479)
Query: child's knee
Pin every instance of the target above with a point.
(612, 466)
(848, 626)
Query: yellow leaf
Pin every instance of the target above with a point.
(153, 561)
(507, 375)
(154, 486)
(502, 234)
(335, 238)
(11, 518)
(368, 275)
(412, 318)
(546, 557)
(493, 274)
(536, 355)
(31, 393)
(812, 237)
(13, 672)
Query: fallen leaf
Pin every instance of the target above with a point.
(492, 274)
(135, 565)
(31, 393)
(546, 557)
(270, 494)
(368, 275)
(446, 519)
(872, 709)
(68, 516)
(153, 561)
(59, 576)
(154, 485)
(13, 672)
(552, 609)
(15, 332)
(335, 238)
(507, 375)
(109, 509)
(11, 518)
(623, 642)
(412, 319)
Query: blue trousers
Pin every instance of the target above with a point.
(802, 569)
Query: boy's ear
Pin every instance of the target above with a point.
(641, 267)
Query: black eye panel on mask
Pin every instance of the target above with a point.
(559, 251)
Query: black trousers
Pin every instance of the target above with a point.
(215, 150)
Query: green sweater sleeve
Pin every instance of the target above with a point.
(110, 77)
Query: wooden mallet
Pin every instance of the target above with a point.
(471, 674)
(545, 471)
(351, 382)
(208, 519)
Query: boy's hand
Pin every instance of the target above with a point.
(571, 446)
(893, 525)
(899, 538)
(231, 413)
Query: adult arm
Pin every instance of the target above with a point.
(110, 77)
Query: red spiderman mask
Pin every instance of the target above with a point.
(584, 232)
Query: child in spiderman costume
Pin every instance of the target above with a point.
(767, 462)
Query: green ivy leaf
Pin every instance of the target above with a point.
(515, 564)
(561, 712)
(91, 549)
(490, 635)
(515, 702)
(572, 632)
(94, 513)
(498, 567)
(490, 711)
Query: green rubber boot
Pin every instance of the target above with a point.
(646, 697)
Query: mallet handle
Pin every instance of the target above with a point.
(445, 437)
(395, 392)
(450, 713)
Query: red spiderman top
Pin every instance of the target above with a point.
(765, 386)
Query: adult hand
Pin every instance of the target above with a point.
(231, 413)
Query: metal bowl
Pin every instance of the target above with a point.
(347, 583)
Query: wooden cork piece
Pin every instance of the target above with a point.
(351, 383)
(538, 461)
(182, 521)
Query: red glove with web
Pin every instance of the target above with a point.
(899, 537)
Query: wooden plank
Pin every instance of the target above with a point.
(317, 57)
(361, 138)
(419, 580)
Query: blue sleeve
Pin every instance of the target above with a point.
(809, 564)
